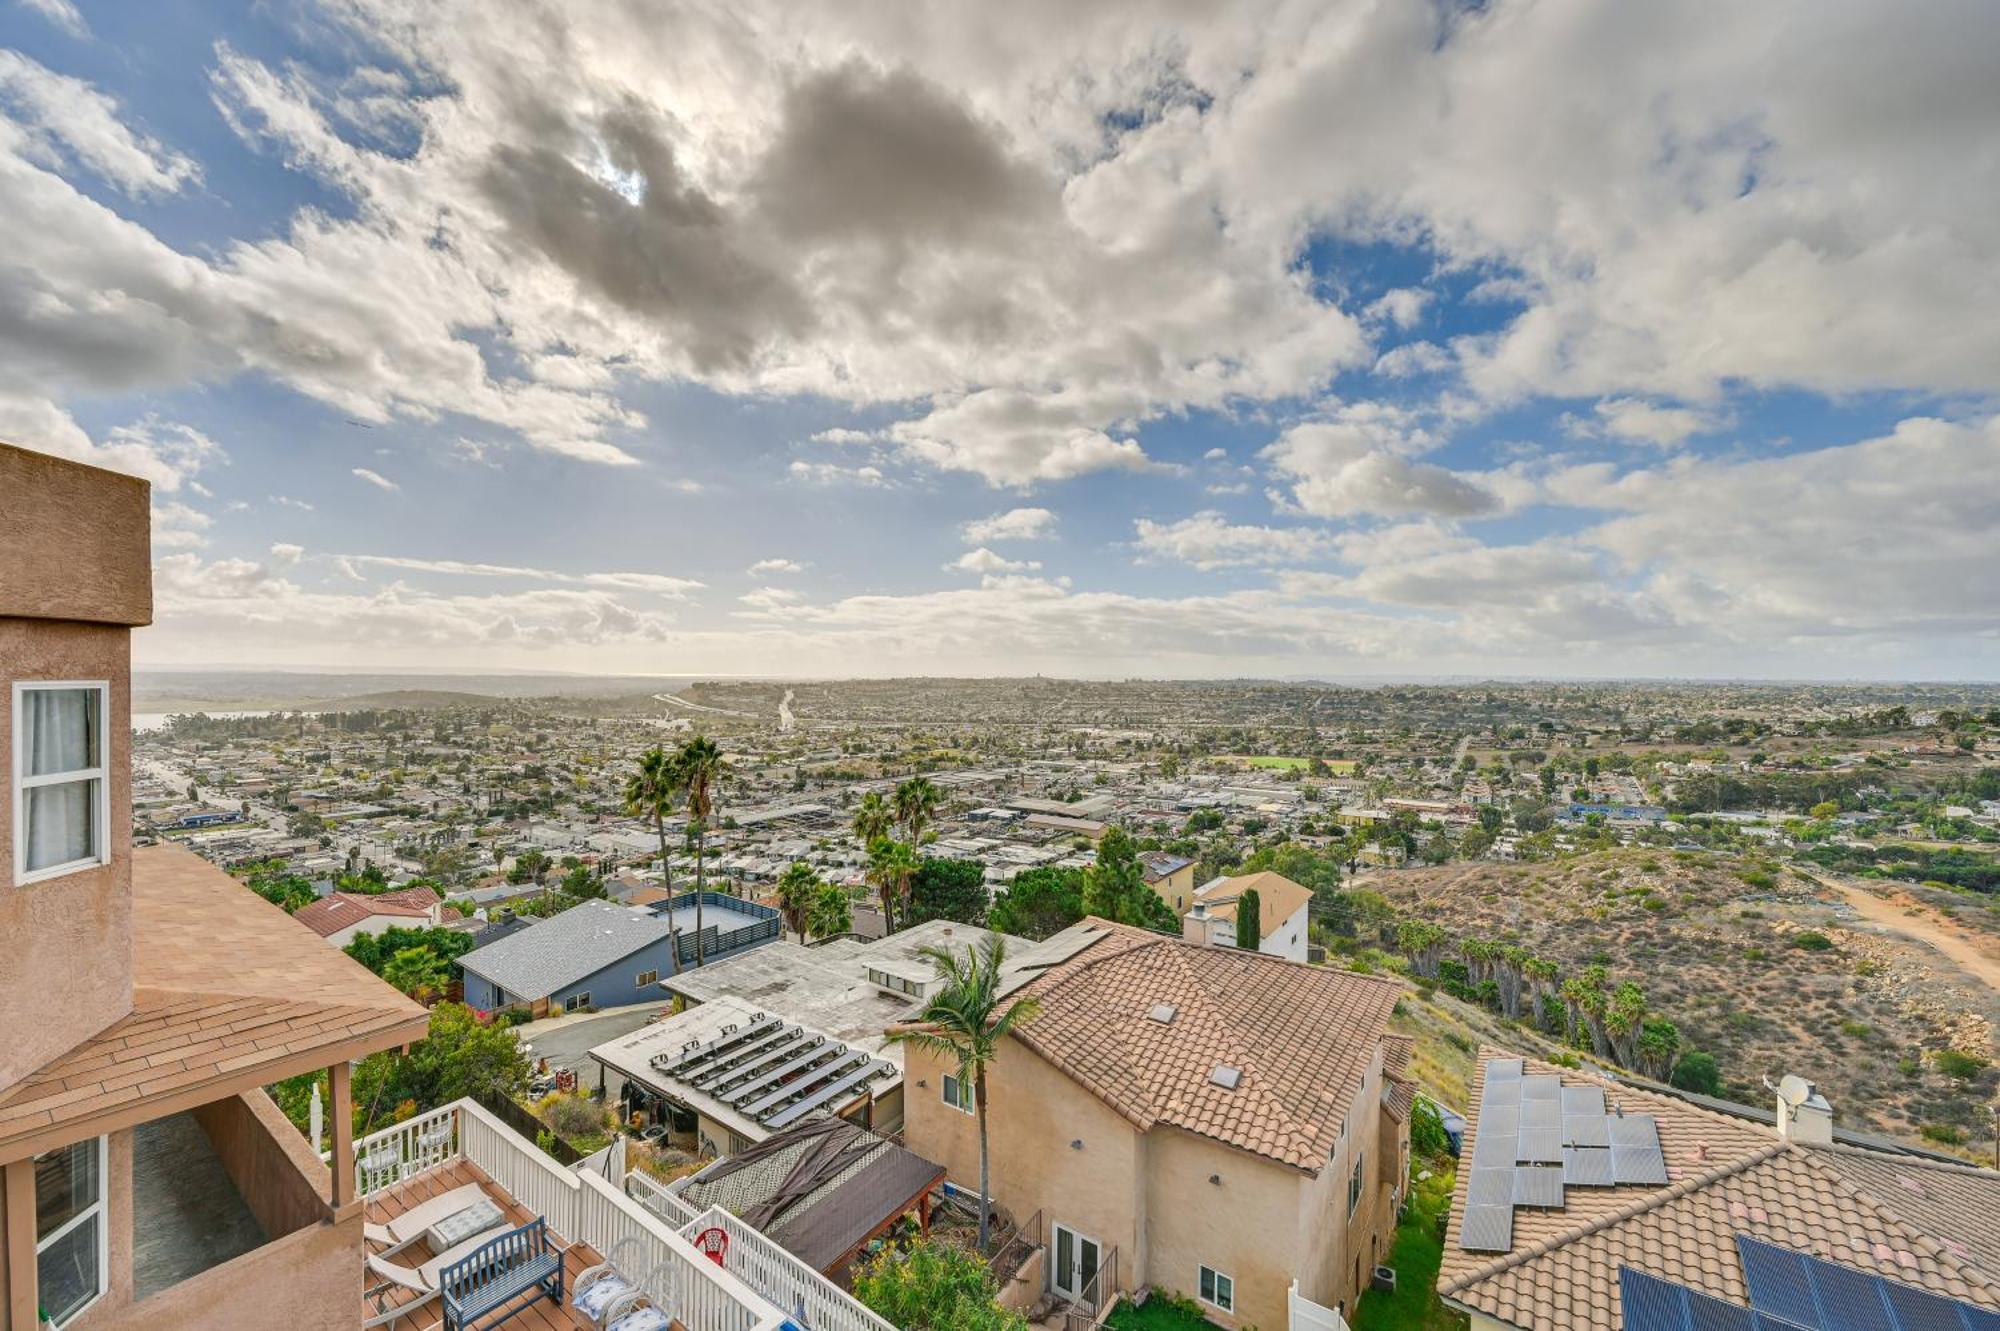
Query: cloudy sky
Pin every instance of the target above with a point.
(1154, 338)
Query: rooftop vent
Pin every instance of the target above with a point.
(1164, 1013)
(1226, 1076)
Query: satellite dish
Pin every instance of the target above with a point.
(1794, 1090)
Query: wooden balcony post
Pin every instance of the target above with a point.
(19, 1210)
(341, 1075)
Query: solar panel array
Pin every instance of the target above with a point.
(1791, 1291)
(774, 1072)
(1537, 1137)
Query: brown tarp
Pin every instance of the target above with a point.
(815, 1219)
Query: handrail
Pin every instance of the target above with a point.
(785, 1280)
(384, 1159)
(655, 1197)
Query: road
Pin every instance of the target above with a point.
(566, 1042)
(1926, 926)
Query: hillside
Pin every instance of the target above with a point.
(1727, 950)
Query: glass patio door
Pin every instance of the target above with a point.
(1076, 1259)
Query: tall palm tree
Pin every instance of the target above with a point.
(964, 1023)
(651, 792)
(701, 774)
(891, 865)
(797, 888)
(916, 805)
(872, 819)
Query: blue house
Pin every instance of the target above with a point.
(599, 954)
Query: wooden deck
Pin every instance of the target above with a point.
(536, 1315)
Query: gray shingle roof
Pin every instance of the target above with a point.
(564, 948)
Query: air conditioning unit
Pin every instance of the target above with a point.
(1385, 1279)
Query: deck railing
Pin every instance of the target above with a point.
(1090, 1305)
(783, 1278)
(654, 1196)
(581, 1207)
(386, 1158)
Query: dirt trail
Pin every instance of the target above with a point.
(1926, 926)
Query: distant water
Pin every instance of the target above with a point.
(155, 720)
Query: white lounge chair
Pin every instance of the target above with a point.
(597, 1288)
(421, 1280)
(407, 1228)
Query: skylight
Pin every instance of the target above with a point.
(1226, 1076)
(1164, 1013)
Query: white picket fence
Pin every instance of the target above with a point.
(580, 1206)
(1309, 1316)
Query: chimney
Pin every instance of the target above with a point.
(1804, 1116)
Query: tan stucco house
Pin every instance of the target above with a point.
(1172, 876)
(1282, 911)
(1204, 1120)
(147, 996)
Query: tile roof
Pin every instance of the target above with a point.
(1160, 863)
(1725, 1177)
(1303, 1037)
(340, 910)
(558, 951)
(1278, 898)
(227, 995)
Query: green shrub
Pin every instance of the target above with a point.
(1812, 940)
(1957, 1063)
(1945, 1133)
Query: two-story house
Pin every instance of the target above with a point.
(146, 1179)
(1282, 909)
(1204, 1120)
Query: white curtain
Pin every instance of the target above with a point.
(62, 734)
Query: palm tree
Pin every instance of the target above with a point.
(916, 804)
(797, 888)
(872, 819)
(701, 772)
(830, 912)
(964, 1023)
(891, 865)
(650, 792)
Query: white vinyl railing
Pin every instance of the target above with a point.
(650, 1193)
(783, 1278)
(581, 1207)
(384, 1159)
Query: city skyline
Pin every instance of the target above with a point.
(1291, 340)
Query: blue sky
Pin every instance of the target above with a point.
(1293, 339)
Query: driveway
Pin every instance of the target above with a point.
(566, 1042)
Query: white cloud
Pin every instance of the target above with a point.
(286, 501)
(62, 13)
(770, 600)
(986, 561)
(776, 565)
(284, 554)
(179, 527)
(1209, 541)
(843, 435)
(1015, 524)
(1400, 308)
(828, 473)
(657, 583)
(1646, 422)
(1358, 462)
(59, 119)
(376, 479)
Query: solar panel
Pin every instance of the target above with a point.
(1492, 1151)
(1501, 1095)
(1711, 1314)
(792, 1113)
(1637, 1164)
(1634, 1130)
(1779, 1282)
(1504, 1122)
(756, 1108)
(1540, 1146)
(1586, 1131)
(1920, 1310)
(1487, 1229)
(1583, 1100)
(1538, 1187)
(1541, 1086)
(1651, 1304)
(1491, 1187)
(1540, 1114)
(1851, 1299)
(1587, 1166)
(816, 1048)
(1503, 1069)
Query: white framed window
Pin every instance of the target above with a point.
(1217, 1290)
(957, 1093)
(72, 1254)
(1354, 1184)
(62, 799)
(645, 978)
(575, 1001)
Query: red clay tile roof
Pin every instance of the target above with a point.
(339, 910)
(1278, 898)
(1725, 1177)
(1302, 1036)
(227, 995)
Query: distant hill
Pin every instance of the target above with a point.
(1730, 950)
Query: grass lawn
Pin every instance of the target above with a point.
(1339, 766)
(1417, 1254)
(1159, 1314)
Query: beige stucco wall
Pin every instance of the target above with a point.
(306, 1281)
(73, 975)
(75, 541)
(1177, 889)
(1035, 1113)
(1242, 1225)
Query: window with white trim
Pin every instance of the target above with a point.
(1218, 1290)
(71, 1252)
(575, 1001)
(645, 978)
(62, 799)
(958, 1094)
(1354, 1184)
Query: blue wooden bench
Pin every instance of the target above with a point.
(521, 1261)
